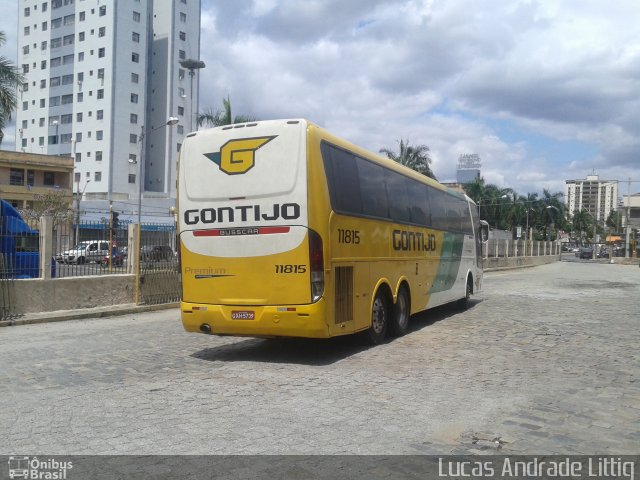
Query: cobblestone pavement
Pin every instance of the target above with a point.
(546, 361)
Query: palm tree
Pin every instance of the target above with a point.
(218, 118)
(415, 157)
(582, 224)
(10, 79)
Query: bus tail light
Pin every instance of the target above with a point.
(316, 263)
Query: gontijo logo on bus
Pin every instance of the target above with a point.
(238, 156)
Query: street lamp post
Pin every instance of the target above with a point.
(79, 196)
(141, 162)
(192, 65)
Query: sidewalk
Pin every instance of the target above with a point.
(97, 312)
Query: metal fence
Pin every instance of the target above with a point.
(495, 248)
(159, 275)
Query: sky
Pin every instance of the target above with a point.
(542, 91)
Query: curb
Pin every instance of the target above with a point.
(85, 313)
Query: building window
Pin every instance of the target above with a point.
(133, 158)
(101, 52)
(81, 56)
(99, 134)
(180, 74)
(183, 36)
(135, 78)
(55, 62)
(81, 16)
(67, 79)
(43, 65)
(67, 99)
(134, 98)
(56, 4)
(100, 93)
(81, 37)
(78, 160)
(76, 176)
(56, 42)
(101, 73)
(41, 141)
(42, 103)
(78, 137)
(25, 68)
(133, 118)
(80, 77)
(183, 17)
(99, 156)
(49, 179)
(27, 11)
(79, 117)
(102, 31)
(136, 17)
(31, 177)
(80, 97)
(16, 177)
(41, 122)
(43, 45)
(25, 50)
(133, 138)
(44, 26)
(43, 83)
(65, 138)
(69, 19)
(100, 114)
(97, 177)
(102, 11)
(180, 130)
(132, 178)
(27, 30)
(66, 118)
(182, 54)
(180, 110)
(135, 58)
(68, 39)
(54, 101)
(67, 59)
(135, 37)
(56, 23)
(44, 6)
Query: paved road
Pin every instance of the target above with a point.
(546, 361)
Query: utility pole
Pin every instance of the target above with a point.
(79, 195)
(627, 243)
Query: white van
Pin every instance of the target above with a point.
(86, 251)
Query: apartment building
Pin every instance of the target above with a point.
(598, 197)
(102, 79)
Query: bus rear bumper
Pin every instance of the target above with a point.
(264, 321)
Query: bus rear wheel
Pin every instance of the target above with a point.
(400, 321)
(379, 319)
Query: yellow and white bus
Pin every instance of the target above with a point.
(288, 230)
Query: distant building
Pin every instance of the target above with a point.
(630, 206)
(99, 76)
(598, 197)
(468, 168)
(23, 176)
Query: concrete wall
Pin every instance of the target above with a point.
(495, 263)
(37, 295)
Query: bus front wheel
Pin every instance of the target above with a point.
(379, 319)
(400, 321)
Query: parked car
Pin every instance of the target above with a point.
(585, 252)
(155, 253)
(84, 252)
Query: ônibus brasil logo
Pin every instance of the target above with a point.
(238, 156)
(33, 468)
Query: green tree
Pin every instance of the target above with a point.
(614, 221)
(582, 225)
(415, 157)
(218, 118)
(10, 80)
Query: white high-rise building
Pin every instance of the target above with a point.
(598, 197)
(100, 76)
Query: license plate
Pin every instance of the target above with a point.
(243, 315)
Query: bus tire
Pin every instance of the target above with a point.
(465, 302)
(401, 310)
(379, 318)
